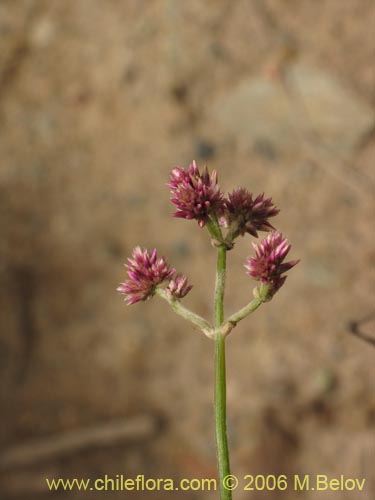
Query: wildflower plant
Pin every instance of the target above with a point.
(197, 195)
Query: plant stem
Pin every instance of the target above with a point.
(262, 294)
(220, 416)
(245, 311)
(220, 286)
(220, 377)
(186, 313)
(214, 229)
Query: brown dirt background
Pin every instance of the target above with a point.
(98, 100)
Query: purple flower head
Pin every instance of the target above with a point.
(145, 271)
(248, 214)
(267, 266)
(195, 195)
(178, 286)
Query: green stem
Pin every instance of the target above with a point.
(262, 294)
(220, 286)
(220, 377)
(220, 416)
(186, 313)
(245, 311)
(214, 229)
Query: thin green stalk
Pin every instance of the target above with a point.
(261, 294)
(220, 416)
(220, 286)
(187, 314)
(245, 311)
(220, 377)
(214, 229)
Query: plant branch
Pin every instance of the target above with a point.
(245, 311)
(214, 229)
(261, 295)
(186, 313)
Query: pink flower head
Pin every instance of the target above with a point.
(178, 286)
(145, 271)
(267, 266)
(250, 215)
(195, 195)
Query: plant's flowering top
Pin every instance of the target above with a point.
(248, 214)
(178, 286)
(267, 266)
(195, 195)
(145, 271)
(198, 196)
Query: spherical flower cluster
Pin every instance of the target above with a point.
(178, 286)
(248, 215)
(195, 195)
(198, 196)
(146, 271)
(267, 266)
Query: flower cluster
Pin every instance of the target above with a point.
(267, 266)
(198, 196)
(178, 286)
(146, 272)
(195, 195)
(248, 215)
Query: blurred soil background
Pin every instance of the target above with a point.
(98, 101)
